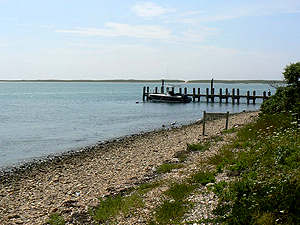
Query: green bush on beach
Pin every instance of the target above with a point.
(266, 157)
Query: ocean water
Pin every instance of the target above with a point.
(38, 119)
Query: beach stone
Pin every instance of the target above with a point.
(94, 172)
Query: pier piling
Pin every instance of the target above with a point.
(210, 94)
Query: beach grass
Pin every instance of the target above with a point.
(168, 167)
(265, 155)
(56, 219)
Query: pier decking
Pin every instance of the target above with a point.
(232, 95)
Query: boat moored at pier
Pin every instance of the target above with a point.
(169, 96)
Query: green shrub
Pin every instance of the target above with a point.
(113, 205)
(56, 219)
(286, 98)
(197, 147)
(267, 192)
(179, 191)
(171, 212)
(202, 178)
(168, 167)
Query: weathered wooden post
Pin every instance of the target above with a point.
(147, 96)
(254, 98)
(162, 89)
(233, 94)
(144, 93)
(204, 118)
(264, 95)
(248, 97)
(220, 95)
(213, 95)
(185, 90)
(207, 95)
(180, 90)
(226, 93)
(238, 95)
(194, 94)
(198, 94)
(156, 90)
(227, 118)
(269, 93)
(211, 85)
(173, 89)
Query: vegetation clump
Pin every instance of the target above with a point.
(168, 167)
(56, 219)
(266, 156)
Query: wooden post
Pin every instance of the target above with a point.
(204, 118)
(185, 90)
(173, 89)
(144, 93)
(269, 93)
(147, 97)
(227, 118)
(220, 95)
(198, 94)
(180, 90)
(213, 95)
(194, 93)
(264, 95)
(238, 95)
(233, 94)
(254, 98)
(156, 90)
(248, 97)
(211, 85)
(226, 93)
(162, 89)
(207, 95)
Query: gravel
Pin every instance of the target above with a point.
(71, 184)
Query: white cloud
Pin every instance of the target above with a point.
(149, 10)
(192, 13)
(117, 48)
(198, 34)
(253, 9)
(121, 29)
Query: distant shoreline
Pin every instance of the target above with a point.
(155, 81)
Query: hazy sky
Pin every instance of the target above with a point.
(125, 39)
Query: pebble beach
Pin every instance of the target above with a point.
(72, 184)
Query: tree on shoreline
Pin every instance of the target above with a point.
(286, 98)
(292, 74)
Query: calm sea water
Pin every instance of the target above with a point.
(40, 119)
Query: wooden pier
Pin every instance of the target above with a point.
(232, 95)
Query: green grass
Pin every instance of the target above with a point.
(112, 206)
(267, 157)
(171, 212)
(168, 167)
(198, 147)
(56, 219)
(202, 178)
(179, 191)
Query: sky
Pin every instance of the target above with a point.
(170, 39)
